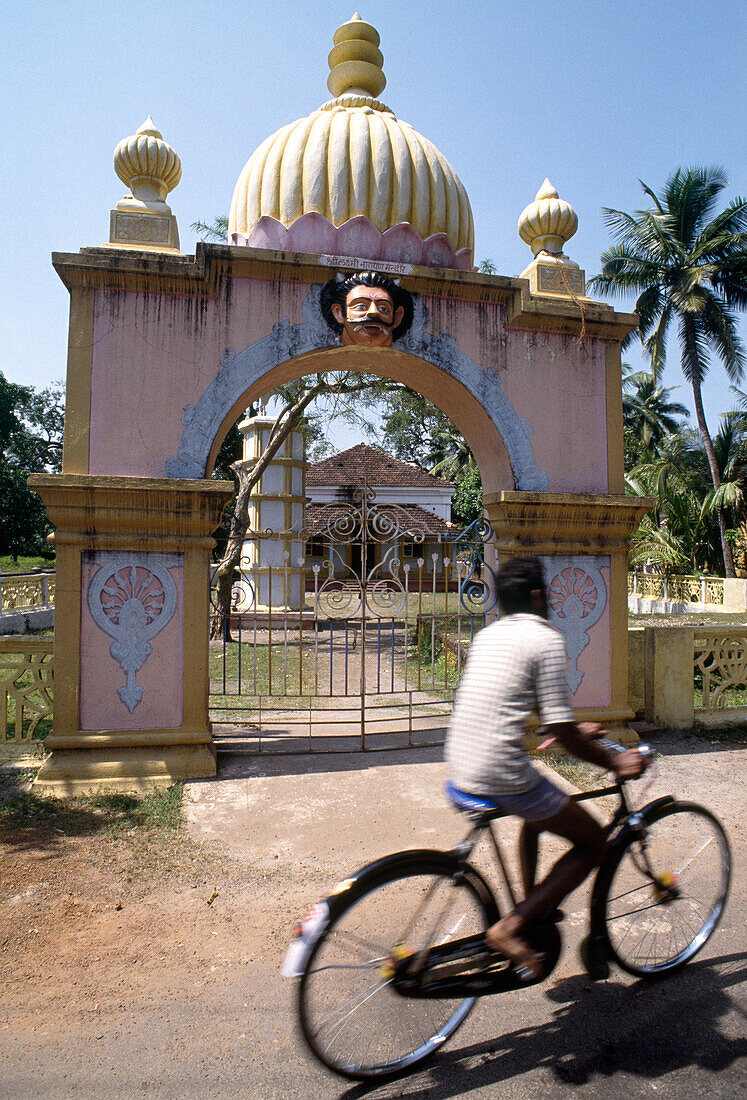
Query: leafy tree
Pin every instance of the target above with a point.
(466, 504)
(417, 431)
(30, 441)
(649, 416)
(682, 532)
(690, 271)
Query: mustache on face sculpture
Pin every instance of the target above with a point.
(367, 309)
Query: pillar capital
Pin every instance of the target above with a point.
(563, 523)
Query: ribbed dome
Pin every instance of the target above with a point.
(352, 158)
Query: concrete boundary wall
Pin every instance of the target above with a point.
(661, 674)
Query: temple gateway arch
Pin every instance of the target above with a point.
(166, 351)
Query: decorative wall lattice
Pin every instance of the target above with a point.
(676, 589)
(26, 669)
(26, 591)
(720, 658)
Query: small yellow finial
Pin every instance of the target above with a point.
(548, 222)
(355, 61)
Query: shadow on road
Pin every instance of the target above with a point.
(645, 1030)
(249, 767)
(670, 743)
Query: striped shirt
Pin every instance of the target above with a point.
(516, 667)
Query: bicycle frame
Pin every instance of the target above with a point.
(624, 822)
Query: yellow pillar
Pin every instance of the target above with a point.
(668, 670)
(130, 550)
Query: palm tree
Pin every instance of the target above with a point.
(217, 230)
(688, 270)
(649, 416)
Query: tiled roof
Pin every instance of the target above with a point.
(410, 519)
(379, 468)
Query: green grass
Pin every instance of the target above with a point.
(734, 697)
(263, 666)
(693, 618)
(25, 564)
(112, 813)
(43, 729)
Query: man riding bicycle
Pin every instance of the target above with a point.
(516, 667)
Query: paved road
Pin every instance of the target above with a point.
(621, 1038)
(227, 1031)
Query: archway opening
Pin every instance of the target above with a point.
(360, 610)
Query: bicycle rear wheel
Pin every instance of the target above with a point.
(664, 891)
(351, 1015)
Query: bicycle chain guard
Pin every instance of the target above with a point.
(463, 968)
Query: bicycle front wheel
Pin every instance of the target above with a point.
(664, 892)
(351, 1014)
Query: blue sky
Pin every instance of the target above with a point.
(593, 95)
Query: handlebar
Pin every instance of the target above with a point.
(614, 746)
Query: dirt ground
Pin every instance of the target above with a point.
(99, 933)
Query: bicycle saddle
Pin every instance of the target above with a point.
(473, 804)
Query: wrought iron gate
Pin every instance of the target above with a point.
(350, 634)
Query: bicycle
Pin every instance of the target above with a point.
(394, 960)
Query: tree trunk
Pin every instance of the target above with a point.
(248, 479)
(729, 570)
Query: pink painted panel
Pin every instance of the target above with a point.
(160, 676)
(562, 393)
(594, 690)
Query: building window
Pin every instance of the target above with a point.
(315, 548)
(412, 549)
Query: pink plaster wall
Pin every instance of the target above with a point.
(562, 392)
(154, 354)
(160, 676)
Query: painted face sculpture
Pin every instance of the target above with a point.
(367, 309)
(368, 317)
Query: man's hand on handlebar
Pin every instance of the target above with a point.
(591, 731)
(629, 764)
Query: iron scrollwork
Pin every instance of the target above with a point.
(477, 587)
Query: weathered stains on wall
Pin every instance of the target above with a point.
(560, 387)
(155, 354)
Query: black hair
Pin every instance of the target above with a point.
(516, 581)
(336, 291)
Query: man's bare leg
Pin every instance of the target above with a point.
(589, 842)
(528, 852)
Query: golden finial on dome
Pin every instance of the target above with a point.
(150, 168)
(355, 60)
(548, 222)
